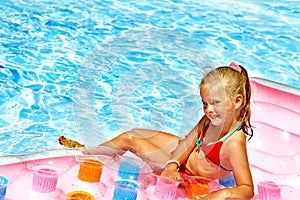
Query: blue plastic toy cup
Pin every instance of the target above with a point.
(227, 181)
(129, 170)
(125, 190)
(3, 185)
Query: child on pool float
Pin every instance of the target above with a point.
(215, 147)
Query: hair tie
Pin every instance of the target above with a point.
(235, 66)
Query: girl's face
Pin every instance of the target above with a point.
(217, 106)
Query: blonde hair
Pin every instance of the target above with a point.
(234, 83)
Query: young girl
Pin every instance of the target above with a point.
(215, 147)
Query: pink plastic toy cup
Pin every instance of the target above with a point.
(44, 179)
(268, 190)
(165, 189)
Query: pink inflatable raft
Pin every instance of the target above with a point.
(273, 151)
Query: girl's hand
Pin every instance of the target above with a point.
(217, 195)
(171, 172)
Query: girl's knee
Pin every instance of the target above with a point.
(125, 140)
(125, 137)
(143, 134)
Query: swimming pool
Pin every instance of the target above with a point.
(92, 69)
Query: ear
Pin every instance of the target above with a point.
(238, 101)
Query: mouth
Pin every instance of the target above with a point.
(213, 117)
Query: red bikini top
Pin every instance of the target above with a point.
(212, 151)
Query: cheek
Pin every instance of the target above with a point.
(221, 109)
(224, 109)
(230, 109)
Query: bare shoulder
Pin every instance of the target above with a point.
(236, 142)
(233, 152)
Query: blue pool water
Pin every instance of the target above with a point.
(92, 69)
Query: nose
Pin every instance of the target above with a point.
(210, 108)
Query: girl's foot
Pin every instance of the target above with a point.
(69, 143)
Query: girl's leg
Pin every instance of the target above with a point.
(152, 145)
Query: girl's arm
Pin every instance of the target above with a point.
(182, 152)
(241, 170)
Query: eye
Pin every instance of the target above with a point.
(204, 103)
(214, 102)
